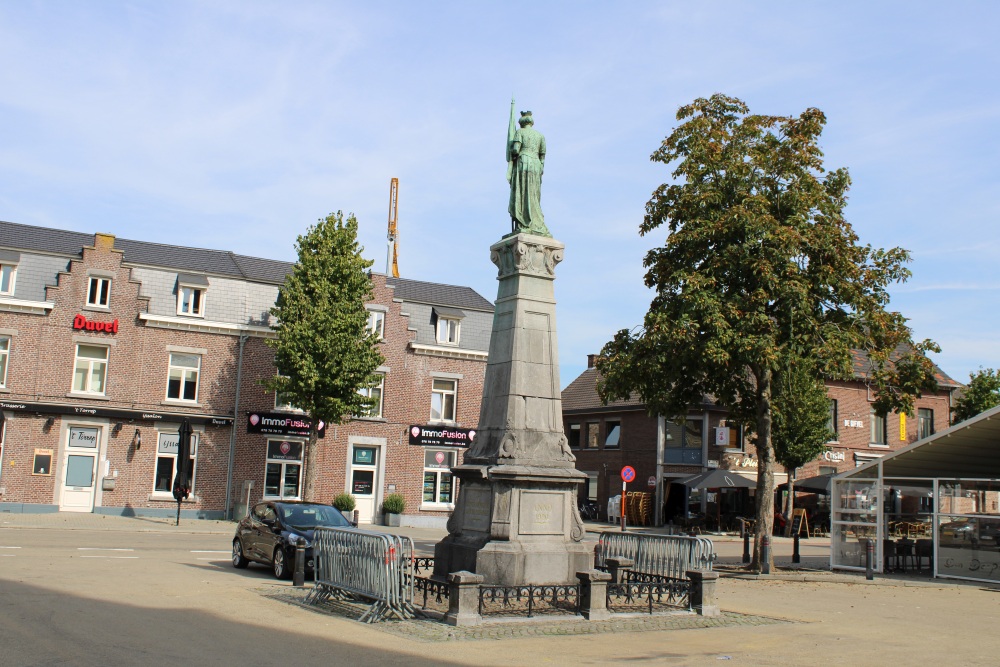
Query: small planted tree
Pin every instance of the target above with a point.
(323, 350)
(982, 394)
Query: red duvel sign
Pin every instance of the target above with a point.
(81, 322)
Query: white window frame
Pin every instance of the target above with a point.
(169, 492)
(379, 389)
(444, 394)
(376, 323)
(201, 290)
(284, 463)
(183, 371)
(10, 269)
(90, 362)
(438, 472)
(449, 330)
(5, 343)
(876, 420)
(103, 285)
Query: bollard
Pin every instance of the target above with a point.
(869, 559)
(746, 546)
(357, 517)
(765, 555)
(299, 576)
(795, 549)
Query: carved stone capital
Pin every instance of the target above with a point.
(527, 254)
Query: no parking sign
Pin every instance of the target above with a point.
(628, 474)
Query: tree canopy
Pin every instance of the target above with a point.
(758, 264)
(982, 393)
(323, 350)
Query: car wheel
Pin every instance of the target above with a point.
(281, 570)
(239, 560)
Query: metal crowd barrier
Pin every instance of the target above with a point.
(664, 555)
(357, 564)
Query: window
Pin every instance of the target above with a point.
(7, 274)
(925, 421)
(376, 323)
(91, 369)
(4, 355)
(591, 486)
(831, 422)
(438, 482)
(182, 377)
(591, 436)
(448, 330)
(878, 429)
(573, 436)
(443, 395)
(42, 464)
(166, 461)
(613, 432)
(683, 442)
(828, 470)
(99, 292)
(375, 392)
(283, 476)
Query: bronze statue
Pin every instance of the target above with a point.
(525, 166)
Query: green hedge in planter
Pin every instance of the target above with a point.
(344, 502)
(394, 503)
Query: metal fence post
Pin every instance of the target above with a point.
(299, 575)
(765, 555)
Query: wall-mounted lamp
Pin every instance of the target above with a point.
(137, 439)
(49, 422)
(117, 429)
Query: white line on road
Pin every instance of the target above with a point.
(208, 552)
(109, 557)
(216, 560)
(101, 549)
(20, 547)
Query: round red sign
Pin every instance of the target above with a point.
(628, 474)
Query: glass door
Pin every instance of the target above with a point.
(364, 473)
(80, 470)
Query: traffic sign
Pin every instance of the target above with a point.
(628, 474)
(651, 482)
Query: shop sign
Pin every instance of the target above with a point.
(830, 455)
(280, 423)
(284, 451)
(854, 423)
(746, 462)
(113, 413)
(441, 436)
(82, 323)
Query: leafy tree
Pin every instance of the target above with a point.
(982, 393)
(322, 350)
(801, 412)
(759, 264)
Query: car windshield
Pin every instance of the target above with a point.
(305, 517)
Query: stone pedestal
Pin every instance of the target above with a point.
(516, 519)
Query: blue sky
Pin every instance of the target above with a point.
(237, 125)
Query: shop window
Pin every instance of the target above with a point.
(683, 442)
(438, 481)
(42, 464)
(448, 330)
(4, 356)
(283, 475)
(376, 323)
(613, 432)
(167, 446)
(878, 435)
(831, 422)
(375, 393)
(827, 470)
(925, 423)
(443, 394)
(182, 377)
(8, 272)
(99, 292)
(573, 436)
(591, 437)
(90, 369)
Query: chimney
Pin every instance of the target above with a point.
(591, 358)
(104, 241)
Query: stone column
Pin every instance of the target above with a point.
(594, 595)
(463, 599)
(702, 598)
(616, 565)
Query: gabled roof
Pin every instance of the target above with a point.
(862, 367)
(581, 396)
(435, 294)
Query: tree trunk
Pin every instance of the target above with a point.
(312, 468)
(765, 469)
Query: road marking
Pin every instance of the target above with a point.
(109, 557)
(6, 555)
(101, 549)
(204, 552)
(15, 548)
(216, 560)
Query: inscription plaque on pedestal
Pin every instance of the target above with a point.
(542, 513)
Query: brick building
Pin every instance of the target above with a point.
(107, 344)
(607, 437)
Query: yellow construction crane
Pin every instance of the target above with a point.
(392, 253)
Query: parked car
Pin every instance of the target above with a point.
(269, 532)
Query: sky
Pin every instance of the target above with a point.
(236, 125)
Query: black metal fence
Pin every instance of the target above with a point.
(528, 601)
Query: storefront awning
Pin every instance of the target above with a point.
(720, 479)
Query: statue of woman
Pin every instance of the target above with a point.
(526, 155)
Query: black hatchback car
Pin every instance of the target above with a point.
(269, 532)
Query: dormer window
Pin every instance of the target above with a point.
(191, 291)
(99, 292)
(449, 325)
(8, 271)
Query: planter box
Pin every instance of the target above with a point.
(348, 514)
(391, 519)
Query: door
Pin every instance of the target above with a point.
(364, 473)
(79, 479)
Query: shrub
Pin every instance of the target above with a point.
(394, 504)
(344, 502)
